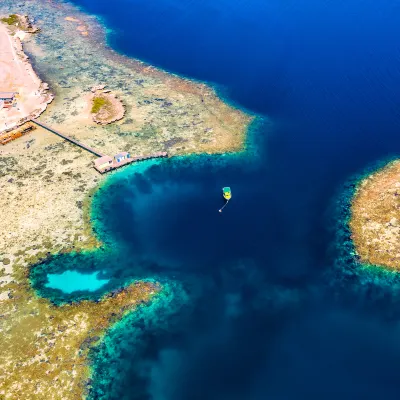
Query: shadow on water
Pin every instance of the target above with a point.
(269, 306)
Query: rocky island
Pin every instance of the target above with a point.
(375, 217)
(46, 182)
(106, 107)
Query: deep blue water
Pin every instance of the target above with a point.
(272, 310)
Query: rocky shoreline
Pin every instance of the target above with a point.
(375, 218)
(29, 107)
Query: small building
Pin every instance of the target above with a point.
(103, 163)
(7, 99)
(121, 156)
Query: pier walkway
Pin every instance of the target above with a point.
(104, 163)
(69, 139)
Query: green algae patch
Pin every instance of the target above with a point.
(98, 104)
(106, 108)
(21, 22)
(11, 20)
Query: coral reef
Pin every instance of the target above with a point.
(375, 217)
(44, 350)
(46, 186)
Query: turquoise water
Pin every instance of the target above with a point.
(73, 281)
(265, 300)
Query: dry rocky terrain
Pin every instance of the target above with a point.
(17, 75)
(375, 218)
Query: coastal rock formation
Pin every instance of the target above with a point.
(105, 106)
(17, 77)
(375, 218)
(97, 88)
(20, 22)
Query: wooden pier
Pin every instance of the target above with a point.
(104, 163)
(69, 139)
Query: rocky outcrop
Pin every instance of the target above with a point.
(375, 216)
(31, 92)
(106, 107)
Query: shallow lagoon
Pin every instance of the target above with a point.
(73, 281)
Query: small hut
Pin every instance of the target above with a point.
(7, 99)
(103, 163)
(121, 156)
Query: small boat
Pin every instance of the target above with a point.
(226, 192)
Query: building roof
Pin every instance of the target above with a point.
(7, 95)
(122, 154)
(102, 160)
